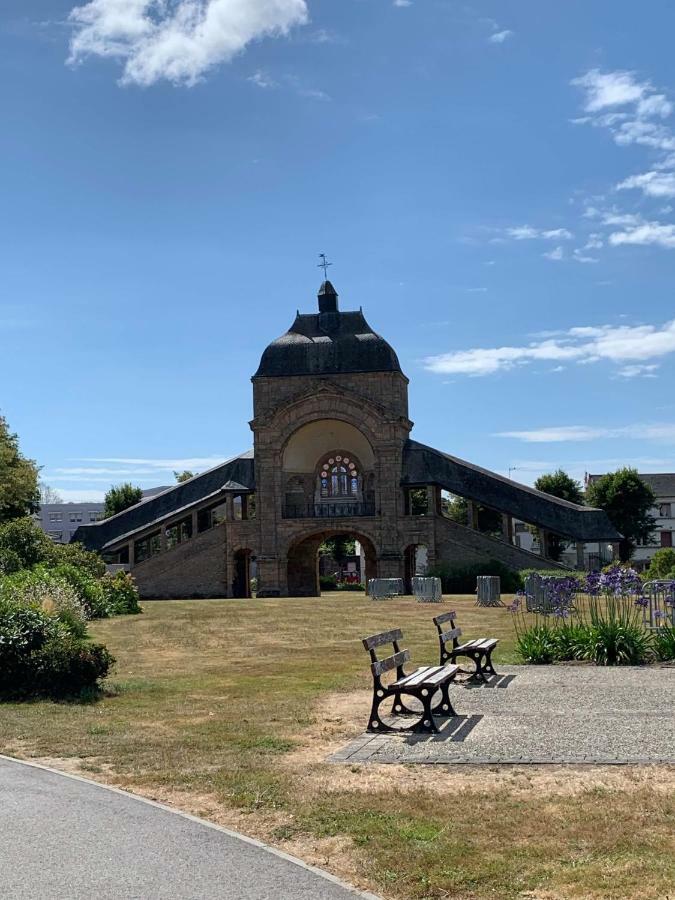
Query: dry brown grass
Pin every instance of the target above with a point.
(229, 709)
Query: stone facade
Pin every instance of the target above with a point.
(332, 456)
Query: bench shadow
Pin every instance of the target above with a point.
(454, 728)
(493, 681)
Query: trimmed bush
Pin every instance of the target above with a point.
(664, 642)
(25, 540)
(462, 579)
(44, 591)
(120, 594)
(88, 588)
(42, 655)
(327, 582)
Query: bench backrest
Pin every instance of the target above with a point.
(447, 634)
(395, 660)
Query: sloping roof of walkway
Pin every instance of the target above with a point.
(424, 465)
(234, 474)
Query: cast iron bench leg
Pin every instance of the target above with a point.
(445, 707)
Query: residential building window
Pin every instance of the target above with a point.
(55, 516)
(178, 532)
(665, 510)
(76, 517)
(94, 516)
(666, 538)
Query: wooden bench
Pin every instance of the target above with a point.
(422, 684)
(479, 651)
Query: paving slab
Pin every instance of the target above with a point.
(65, 838)
(544, 715)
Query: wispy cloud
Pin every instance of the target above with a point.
(500, 36)
(167, 465)
(180, 41)
(528, 233)
(623, 345)
(555, 255)
(564, 433)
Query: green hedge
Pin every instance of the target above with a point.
(462, 579)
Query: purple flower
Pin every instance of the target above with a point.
(658, 614)
(642, 601)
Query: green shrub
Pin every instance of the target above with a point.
(120, 594)
(76, 555)
(462, 579)
(349, 586)
(88, 588)
(10, 562)
(661, 565)
(42, 590)
(537, 645)
(579, 577)
(664, 642)
(66, 666)
(25, 540)
(327, 582)
(40, 656)
(571, 641)
(615, 643)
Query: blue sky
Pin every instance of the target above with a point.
(494, 182)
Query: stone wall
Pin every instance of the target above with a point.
(195, 568)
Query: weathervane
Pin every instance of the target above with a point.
(324, 265)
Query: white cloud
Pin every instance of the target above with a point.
(563, 433)
(555, 255)
(263, 80)
(652, 184)
(178, 41)
(167, 465)
(81, 495)
(645, 233)
(638, 371)
(619, 344)
(609, 89)
(500, 36)
(527, 233)
(402, 2)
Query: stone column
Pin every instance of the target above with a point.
(193, 520)
(472, 515)
(132, 557)
(229, 508)
(162, 538)
(432, 505)
(581, 563)
(543, 543)
(507, 528)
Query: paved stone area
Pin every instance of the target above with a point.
(544, 714)
(64, 838)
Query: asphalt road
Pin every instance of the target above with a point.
(63, 838)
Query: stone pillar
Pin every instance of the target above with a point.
(162, 538)
(543, 543)
(472, 515)
(193, 520)
(432, 503)
(581, 563)
(132, 557)
(507, 528)
(229, 508)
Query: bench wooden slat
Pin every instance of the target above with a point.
(451, 635)
(391, 662)
(384, 637)
(416, 677)
(469, 645)
(444, 617)
(444, 673)
(486, 643)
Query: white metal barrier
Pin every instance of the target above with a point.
(488, 590)
(385, 588)
(427, 590)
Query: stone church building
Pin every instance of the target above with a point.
(332, 455)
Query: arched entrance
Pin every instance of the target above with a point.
(416, 562)
(303, 561)
(241, 575)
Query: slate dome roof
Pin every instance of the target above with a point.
(329, 342)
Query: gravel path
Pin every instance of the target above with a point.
(64, 838)
(545, 714)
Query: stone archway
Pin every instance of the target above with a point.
(241, 574)
(303, 560)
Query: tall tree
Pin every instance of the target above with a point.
(19, 492)
(627, 500)
(185, 475)
(457, 509)
(48, 494)
(119, 498)
(559, 484)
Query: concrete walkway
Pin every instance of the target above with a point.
(543, 715)
(65, 838)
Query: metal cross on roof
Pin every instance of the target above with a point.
(324, 265)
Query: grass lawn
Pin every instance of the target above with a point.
(228, 709)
